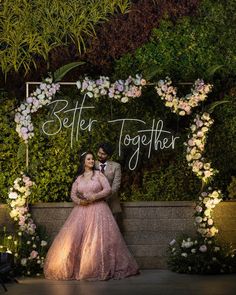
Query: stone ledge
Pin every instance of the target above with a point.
(224, 204)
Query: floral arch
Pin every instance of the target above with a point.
(31, 261)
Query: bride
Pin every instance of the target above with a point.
(89, 245)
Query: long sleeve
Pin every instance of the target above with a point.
(74, 192)
(117, 179)
(106, 188)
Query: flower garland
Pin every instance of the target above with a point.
(202, 168)
(122, 90)
(202, 254)
(40, 97)
(196, 145)
(203, 218)
(182, 106)
(31, 253)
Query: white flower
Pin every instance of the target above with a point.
(14, 213)
(215, 194)
(184, 254)
(203, 248)
(198, 219)
(43, 243)
(186, 244)
(41, 96)
(207, 212)
(90, 94)
(210, 221)
(198, 208)
(78, 84)
(124, 99)
(13, 195)
(212, 231)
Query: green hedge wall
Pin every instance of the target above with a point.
(189, 48)
(53, 163)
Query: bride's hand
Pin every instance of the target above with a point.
(84, 202)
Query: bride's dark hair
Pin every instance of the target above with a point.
(82, 161)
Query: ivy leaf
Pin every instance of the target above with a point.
(62, 71)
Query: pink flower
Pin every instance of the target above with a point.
(143, 82)
(191, 142)
(199, 123)
(137, 92)
(33, 254)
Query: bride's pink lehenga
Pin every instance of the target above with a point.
(90, 245)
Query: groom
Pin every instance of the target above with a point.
(112, 171)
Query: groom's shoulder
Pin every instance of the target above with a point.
(113, 163)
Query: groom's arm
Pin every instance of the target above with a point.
(117, 179)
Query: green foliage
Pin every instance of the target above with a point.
(232, 188)
(31, 29)
(172, 183)
(217, 257)
(191, 48)
(10, 163)
(221, 146)
(61, 72)
(166, 182)
(197, 47)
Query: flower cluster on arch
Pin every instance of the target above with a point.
(183, 105)
(39, 98)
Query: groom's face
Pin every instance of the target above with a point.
(102, 156)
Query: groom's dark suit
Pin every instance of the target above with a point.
(113, 174)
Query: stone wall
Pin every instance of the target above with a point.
(147, 227)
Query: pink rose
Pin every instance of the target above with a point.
(33, 254)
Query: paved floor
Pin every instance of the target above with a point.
(149, 282)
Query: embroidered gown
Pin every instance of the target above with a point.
(89, 245)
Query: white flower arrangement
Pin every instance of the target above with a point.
(19, 212)
(121, 90)
(40, 97)
(203, 212)
(201, 255)
(182, 106)
(196, 147)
